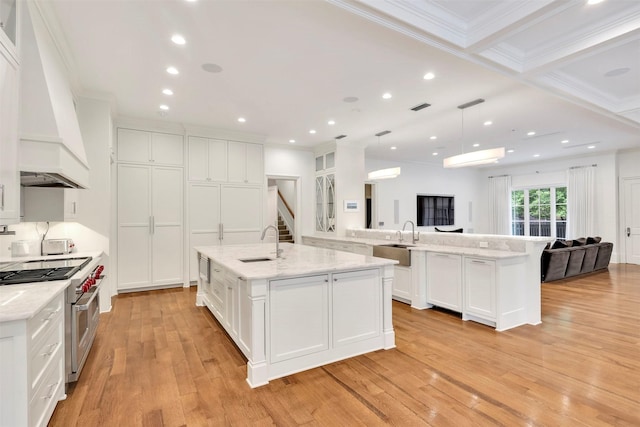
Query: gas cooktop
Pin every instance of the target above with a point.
(41, 270)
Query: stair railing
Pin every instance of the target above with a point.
(287, 214)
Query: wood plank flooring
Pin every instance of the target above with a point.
(158, 360)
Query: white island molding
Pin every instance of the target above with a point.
(310, 307)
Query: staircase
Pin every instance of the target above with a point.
(285, 234)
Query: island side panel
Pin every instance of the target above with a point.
(254, 306)
(387, 315)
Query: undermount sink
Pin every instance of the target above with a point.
(255, 259)
(398, 251)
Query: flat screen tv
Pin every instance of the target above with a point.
(433, 210)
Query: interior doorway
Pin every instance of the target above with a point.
(283, 207)
(631, 232)
(370, 219)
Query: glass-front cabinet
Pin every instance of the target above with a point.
(8, 20)
(326, 192)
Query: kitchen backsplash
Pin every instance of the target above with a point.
(57, 230)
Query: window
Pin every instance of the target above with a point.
(539, 212)
(435, 210)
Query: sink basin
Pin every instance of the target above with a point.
(255, 259)
(397, 251)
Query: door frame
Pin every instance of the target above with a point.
(374, 205)
(298, 205)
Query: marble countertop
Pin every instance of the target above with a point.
(296, 260)
(425, 247)
(20, 302)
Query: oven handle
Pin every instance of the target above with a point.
(94, 294)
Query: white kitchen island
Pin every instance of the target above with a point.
(310, 307)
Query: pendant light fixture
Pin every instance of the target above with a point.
(383, 173)
(472, 158)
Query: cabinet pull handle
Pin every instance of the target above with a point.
(50, 349)
(2, 197)
(221, 231)
(51, 388)
(475, 261)
(628, 228)
(74, 208)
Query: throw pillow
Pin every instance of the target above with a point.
(592, 240)
(559, 244)
(577, 242)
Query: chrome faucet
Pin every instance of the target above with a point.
(264, 232)
(399, 234)
(413, 230)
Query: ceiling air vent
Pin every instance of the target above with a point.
(471, 103)
(341, 136)
(421, 107)
(383, 133)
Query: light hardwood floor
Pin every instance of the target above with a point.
(159, 360)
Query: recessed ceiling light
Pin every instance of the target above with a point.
(211, 68)
(617, 72)
(394, 148)
(167, 91)
(488, 123)
(536, 155)
(172, 70)
(312, 131)
(433, 137)
(510, 151)
(591, 146)
(164, 107)
(331, 122)
(592, 2)
(429, 76)
(564, 141)
(386, 95)
(435, 153)
(531, 133)
(350, 99)
(476, 145)
(292, 141)
(178, 39)
(191, 1)
(242, 119)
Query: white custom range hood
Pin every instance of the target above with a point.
(51, 152)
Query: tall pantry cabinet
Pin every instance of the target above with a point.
(225, 194)
(150, 209)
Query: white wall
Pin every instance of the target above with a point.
(288, 190)
(555, 172)
(350, 177)
(282, 161)
(425, 179)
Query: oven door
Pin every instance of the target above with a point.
(84, 325)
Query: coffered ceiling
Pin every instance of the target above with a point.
(566, 70)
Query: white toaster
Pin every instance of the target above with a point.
(57, 246)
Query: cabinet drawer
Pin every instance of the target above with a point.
(47, 351)
(217, 272)
(37, 325)
(46, 396)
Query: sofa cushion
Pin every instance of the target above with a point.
(578, 242)
(554, 264)
(559, 244)
(576, 257)
(592, 240)
(590, 255)
(604, 256)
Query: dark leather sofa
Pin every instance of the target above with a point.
(567, 258)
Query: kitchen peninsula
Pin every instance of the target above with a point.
(307, 308)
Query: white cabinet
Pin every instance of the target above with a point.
(245, 163)
(222, 214)
(444, 280)
(9, 174)
(150, 226)
(207, 159)
(33, 376)
(50, 204)
(326, 203)
(480, 288)
(139, 146)
(298, 316)
(357, 309)
(402, 288)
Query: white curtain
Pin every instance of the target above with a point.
(500, 205)
(581, 202)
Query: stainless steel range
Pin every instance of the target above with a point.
(82, 308)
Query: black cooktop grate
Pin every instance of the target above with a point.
(27, 275)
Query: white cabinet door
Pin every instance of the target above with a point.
(402, 282)
(134, 226)
(444, 280)
(241, 213)
(167, 149)
(357, 309)
(198, 158)
(9, 175)
(298, 317)
(480, 288)
(245, 163)
(204, 220)
(167, 214)
(134, 146)
(217, 156)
